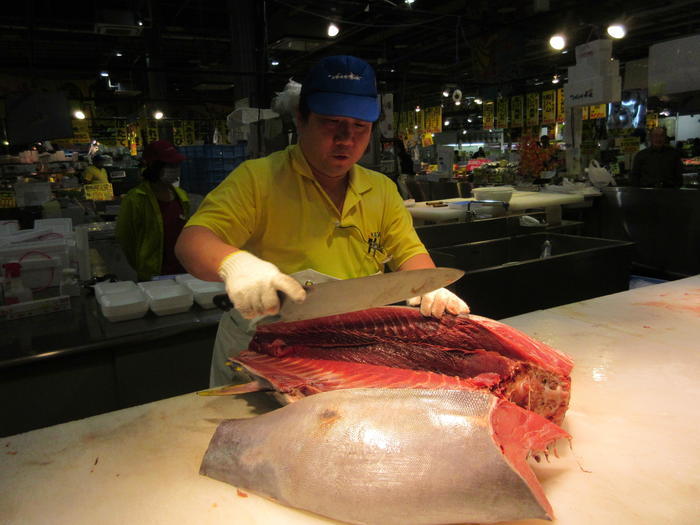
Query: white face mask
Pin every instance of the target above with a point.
(170, 174)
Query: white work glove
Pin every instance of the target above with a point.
(438, 301)
(252, 284)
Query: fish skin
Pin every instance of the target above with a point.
(370, 456)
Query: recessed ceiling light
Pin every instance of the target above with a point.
(617, 30)
(332, 30)
(557, 42)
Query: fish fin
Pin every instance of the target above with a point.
(229, 390)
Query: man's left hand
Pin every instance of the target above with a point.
(439, 301)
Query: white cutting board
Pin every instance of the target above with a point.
(634, 416)
(521, 200)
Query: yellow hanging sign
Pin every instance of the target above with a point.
(532, 109)
(516, 111)
(488, 114)
(598, 111)
(549, 107)
(433, 119)
(561, 116)
(502, 113)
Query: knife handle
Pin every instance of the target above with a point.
(222, 302)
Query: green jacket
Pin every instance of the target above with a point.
(140, 229)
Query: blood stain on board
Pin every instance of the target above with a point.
(241, 493)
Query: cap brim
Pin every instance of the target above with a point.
(344, 105)
(174, 158)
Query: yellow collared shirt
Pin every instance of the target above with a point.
(95, 175)
(274, 208)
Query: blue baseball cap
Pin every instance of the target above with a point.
(343, 86)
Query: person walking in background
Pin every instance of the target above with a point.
(152, 215)
(658, 166)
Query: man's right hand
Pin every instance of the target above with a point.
(252, 284)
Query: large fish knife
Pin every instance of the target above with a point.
(350, 295)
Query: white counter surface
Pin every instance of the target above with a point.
(634, 418)
(520, 201)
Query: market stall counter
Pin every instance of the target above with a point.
(75, 363)
(633, 417)
(519, 202)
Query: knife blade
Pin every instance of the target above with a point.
(351, 295)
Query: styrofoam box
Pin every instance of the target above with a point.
(124, 305)
(118, 287)
(167, 297)
(203, 291)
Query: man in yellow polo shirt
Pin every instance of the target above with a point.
(308, 206)
(96, 173)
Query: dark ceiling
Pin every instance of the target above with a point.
(190, 52)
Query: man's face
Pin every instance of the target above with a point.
(333, 144)
(658, 138)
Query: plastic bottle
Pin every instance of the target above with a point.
(15, 292)
(69, 282)
(546, 249)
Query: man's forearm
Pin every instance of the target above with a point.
(201, 251)
(418, 262)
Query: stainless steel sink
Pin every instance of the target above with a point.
(519, 274)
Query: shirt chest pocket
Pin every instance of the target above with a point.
(366, 247)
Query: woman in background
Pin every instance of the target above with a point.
(153, 213)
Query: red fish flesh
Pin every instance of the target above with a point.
(397, 347)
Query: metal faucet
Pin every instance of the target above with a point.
(471, 214)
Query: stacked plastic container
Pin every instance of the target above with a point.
(203, 291)
(206, 166)
(167, 297)
(121, 301)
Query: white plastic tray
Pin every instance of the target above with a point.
(124, 305)
(167, 297)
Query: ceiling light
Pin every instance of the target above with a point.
(464, 132)
(274, 62)
(409, 2)
(446, 93)
(157, 114)
(332, 30)
(415, 127)
(5, 143)
(469, 120)
(617, 30)
(555, 79)
(104, 74)
(417, 109)
(118, 54)
(478, 101)
(665, 113)
(447, 123)
(140, 23)
(564, 51)
(458, 102)
(557, 42)
(79, 114)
